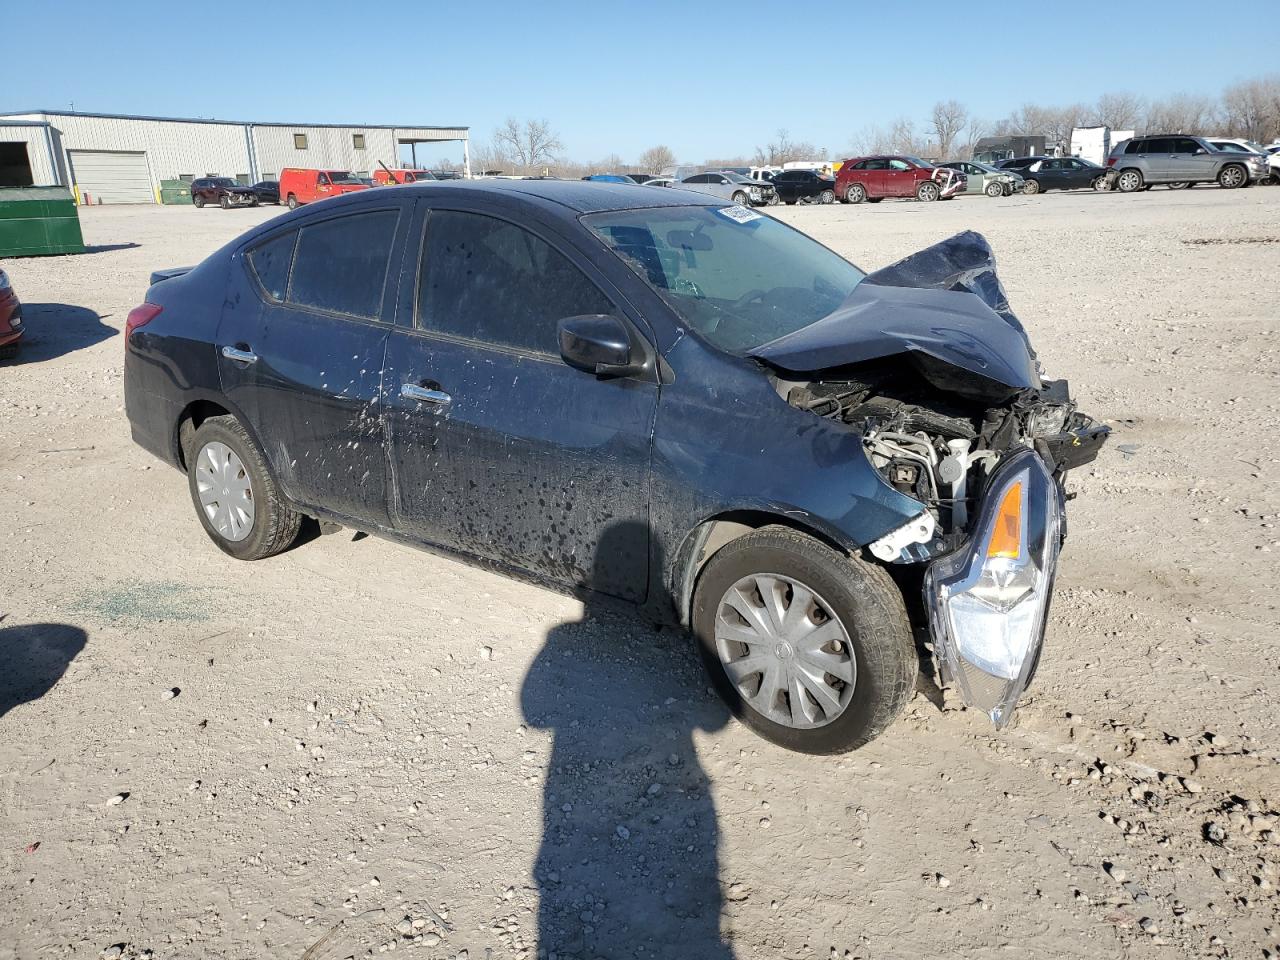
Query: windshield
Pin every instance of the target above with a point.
(918, 162)
(415, 175)
(343, 176)
(225, 182)
(737, 278)
(737, 177)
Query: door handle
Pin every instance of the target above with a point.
(242, 356)
(426, 395)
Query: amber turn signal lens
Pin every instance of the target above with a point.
(1006, 532)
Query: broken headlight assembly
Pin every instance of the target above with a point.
(988, 601)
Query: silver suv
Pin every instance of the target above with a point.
(1176, 159)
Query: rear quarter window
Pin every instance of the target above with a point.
(270, 263)
(340, 265)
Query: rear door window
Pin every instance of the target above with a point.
(490, 281)
(341, 264)
(1159, 145)
(271, 261)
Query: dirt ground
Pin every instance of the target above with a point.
(375, 749)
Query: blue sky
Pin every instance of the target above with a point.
(708, 80)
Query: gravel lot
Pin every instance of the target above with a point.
(373, 748)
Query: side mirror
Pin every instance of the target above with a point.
(1200, 151)
(598, 344)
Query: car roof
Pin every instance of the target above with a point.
(580, 196)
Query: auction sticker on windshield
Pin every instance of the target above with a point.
(738, 214)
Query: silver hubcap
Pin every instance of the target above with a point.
(1129, 181)
(1231, 177)
(226, 496)
(928, 192)
(788, 656)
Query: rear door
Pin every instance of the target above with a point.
(1156, 151)
(498, 448)
(301, 348)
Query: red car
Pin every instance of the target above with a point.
(874, 178)
(10, 318)
(384, 176)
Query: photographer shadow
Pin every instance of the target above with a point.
(629, 861)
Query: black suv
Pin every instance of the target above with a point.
(223, 191)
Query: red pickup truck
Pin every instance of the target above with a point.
(874, 178)
(298, 185)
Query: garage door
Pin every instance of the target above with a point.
(109, 176)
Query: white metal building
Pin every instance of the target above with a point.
(115, 158)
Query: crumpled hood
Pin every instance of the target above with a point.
(943, 308)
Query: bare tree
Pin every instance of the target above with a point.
(530, 144)
(1119, 111)
(784, 150)
(949, 119)
(656, 159)
(1182, 113)
(975, 131)
(1252, 109)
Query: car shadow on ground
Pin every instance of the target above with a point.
(629, 860)
(109, 247)
(33, 658)
(56, 329)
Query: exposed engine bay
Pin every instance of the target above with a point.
(943, 388)
(941, 449)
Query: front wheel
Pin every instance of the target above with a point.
(1129, 181)
(1100, 184)
(234, 494)
(827, 196)
(224, 203)
(741, 199)
(994, 189)
(809, 647)
(1233, 176)
(928, 191)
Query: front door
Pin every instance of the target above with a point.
(900, 181)
(498, 448)
(301, 347)
(1190, 161)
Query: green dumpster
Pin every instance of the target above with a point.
(175, 192)
(35, 221)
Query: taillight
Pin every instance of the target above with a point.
(1111, 161)
(140, 316)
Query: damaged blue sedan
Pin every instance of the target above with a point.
(652, 395)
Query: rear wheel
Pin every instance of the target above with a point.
(198, 201)
(928, 191)
(234, 494)
(809, 647)
(1232, 176)
(1129, 181)
(293, 202)
(855, 194)
(994, 189)
(1031, 187)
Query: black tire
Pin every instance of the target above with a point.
(827, 196)
(293, 202)
(253, 202)
(792, 202)
(1129, 180)
(1233, 176)
(855, 194)
(1178, 185)
(994, 189)
(860, 594)
(275, 522)
(874, 199)
(1100, 184)
(198, 201)
(741, 199)
(224, 203)
(928, 191)
(1031, 187)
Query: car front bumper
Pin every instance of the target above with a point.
(988, 601)
(950, 186)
